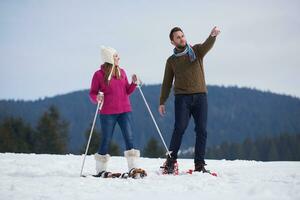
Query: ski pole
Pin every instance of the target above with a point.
(153, 119)
(99, 106)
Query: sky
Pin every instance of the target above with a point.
(53, 47)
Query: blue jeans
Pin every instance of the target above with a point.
(108, 123)
(187, 105)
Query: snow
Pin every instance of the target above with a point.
(31, 176)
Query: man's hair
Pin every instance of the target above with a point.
(175, 29)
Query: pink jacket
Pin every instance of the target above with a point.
(116, 94)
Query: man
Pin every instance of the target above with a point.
(185, 66)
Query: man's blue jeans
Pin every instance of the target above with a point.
(187, 105)
(108, 123)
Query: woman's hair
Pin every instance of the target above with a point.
(107, 70)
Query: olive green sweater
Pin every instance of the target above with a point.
(188, 76)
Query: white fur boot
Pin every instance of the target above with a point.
(132, 157)
(101, 162)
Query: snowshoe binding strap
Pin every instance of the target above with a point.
(100, 174)
(125, 175)
(105, 174)
(200, 167)
(170, 167)
(137, 173)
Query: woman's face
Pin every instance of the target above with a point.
(116, 59)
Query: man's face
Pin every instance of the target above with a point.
(179, 40)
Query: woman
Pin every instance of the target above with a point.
(112, 81)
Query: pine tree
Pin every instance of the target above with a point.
(51, 133)
(254, 154)
(273, 153)
(94, 144)
(247, 144)
(114, 149)
(16, 136)
(152, 149)
(224, 150)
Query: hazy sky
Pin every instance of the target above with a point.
(53, 47)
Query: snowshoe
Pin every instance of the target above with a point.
(200, 167)
(170, 166)
(136, 173)
(105, 174)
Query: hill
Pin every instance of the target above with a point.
(234, 115)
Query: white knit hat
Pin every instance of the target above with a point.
(107, 54)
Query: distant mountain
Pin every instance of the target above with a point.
(234, 114)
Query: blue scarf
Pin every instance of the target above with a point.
(188, 50)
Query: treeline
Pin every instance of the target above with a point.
(50, 136)
(283, 147)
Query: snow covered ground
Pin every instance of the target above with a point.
(30, 176)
